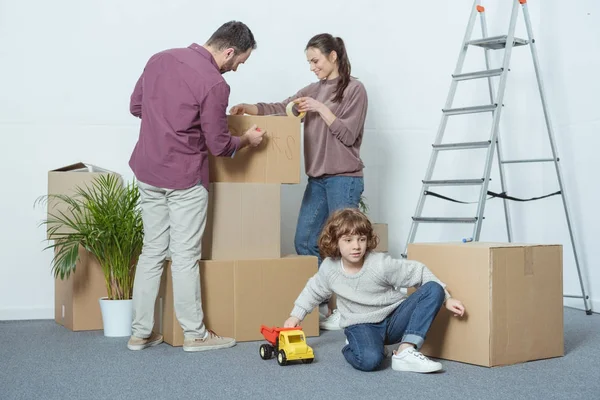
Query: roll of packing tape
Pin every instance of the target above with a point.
(289, 110)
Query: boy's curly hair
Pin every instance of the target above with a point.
(347, 221)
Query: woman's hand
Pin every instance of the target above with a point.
(244, 108)
(455, 306)
(306, 104)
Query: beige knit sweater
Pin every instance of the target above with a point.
(368, 296)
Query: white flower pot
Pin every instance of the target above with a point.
(117, 316)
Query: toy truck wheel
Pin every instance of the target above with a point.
(307, 360)
(281, 358)
(266, 351)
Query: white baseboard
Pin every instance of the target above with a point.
(23, 313)
(578, 304)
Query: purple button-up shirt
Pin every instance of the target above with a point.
(182, 100)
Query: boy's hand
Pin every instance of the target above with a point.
(455, 306)
(291, 322)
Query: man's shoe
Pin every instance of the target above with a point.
(136, 343)
(211, 341)
(410, 360)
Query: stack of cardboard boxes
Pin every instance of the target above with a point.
(512, 292)
(76, 304)
(245, 280)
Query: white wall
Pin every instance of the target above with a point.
(67, 70)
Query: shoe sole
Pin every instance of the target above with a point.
(136, 347)
(206, 348)
(329, 328)
(421, 371)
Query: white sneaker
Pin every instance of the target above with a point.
(331, 323)
(410, 360)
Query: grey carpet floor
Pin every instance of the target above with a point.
(42, 360)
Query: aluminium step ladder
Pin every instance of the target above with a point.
(506, 42)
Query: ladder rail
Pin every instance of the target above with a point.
(501, 171)
(443, 122)
(496, 120)
(551, 136)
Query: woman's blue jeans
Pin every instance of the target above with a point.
(321, 198)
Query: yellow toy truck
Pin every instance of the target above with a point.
(288, 344)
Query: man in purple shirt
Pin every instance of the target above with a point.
(181, 98)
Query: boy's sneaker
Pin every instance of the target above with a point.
(136, 343)
(410, 360)
(211, 341)
(331, 323)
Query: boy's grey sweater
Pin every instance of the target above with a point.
(368, 296)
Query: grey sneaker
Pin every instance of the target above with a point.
(212, 341)
(136, 343)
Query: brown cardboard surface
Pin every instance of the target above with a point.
(513, 297)
(275, 160)
(381, 230)
(243, 222)
(238, 296)
(76, 304)
(527, 321)
(64, 181)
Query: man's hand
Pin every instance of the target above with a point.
(308, 104)
(241, 109)
(254, 136)
(291, 322)
(455, 306)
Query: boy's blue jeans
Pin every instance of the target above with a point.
(322, 197)
(408, 323)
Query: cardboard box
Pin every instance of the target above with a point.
(381, 230)
(275, 160)
(76, 305)
(239, 296)
(64, 181)
(513, 295)
(243, 222)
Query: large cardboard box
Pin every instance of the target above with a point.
(76, 305)
(240, 296)
(243, 222)
(513, 295)
(64, 181)
(381, 230)
(275, 160)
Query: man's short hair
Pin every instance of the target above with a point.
(233, 34)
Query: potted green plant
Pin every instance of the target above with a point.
(106, 220)
(362, 205)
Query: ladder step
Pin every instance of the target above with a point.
(445, 220)
(476, 75)
(496, 42)
(462, 146)
(470, 110)
(532, 160)
(454, 182)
